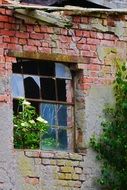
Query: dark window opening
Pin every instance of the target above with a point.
(48, 87)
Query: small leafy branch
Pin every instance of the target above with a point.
(111, 145)
(28, 127)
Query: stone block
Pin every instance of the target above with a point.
(67, 169)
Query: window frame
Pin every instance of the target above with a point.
(56, 102)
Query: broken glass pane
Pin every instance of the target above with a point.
(17, 67)
(49, 141)
(61, 89)
(62, 115)
(48, 88)
(62, 71)
(56, 115)
(62, 139)
(47, 111)
(47, 68)
(30, 67)
(64, 90)
(17, 85)
(32, 86)
(54, 139)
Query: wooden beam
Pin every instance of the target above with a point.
(49, 57)
(42, 16)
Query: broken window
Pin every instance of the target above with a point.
(48, 86)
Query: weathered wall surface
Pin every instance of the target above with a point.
(49, 170)
(95, 38)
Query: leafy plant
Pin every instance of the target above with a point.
(111, 145)
(28, 126)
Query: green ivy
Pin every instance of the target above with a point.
(28, 127)
(111, 145)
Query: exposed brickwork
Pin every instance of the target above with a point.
(66, 169)
(100, 38)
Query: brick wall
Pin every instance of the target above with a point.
(95, 38)
(50, 170)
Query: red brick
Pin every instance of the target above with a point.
(2, 59)
(64, 45)
(109, 37)
(93, 67)
(45, 44)
(1, 39)
(29, 48)
(6, 39)
(12, 46)
(32, 180)
(47, 37)
(71, 52)
(93, 34)
(5, 98)
(10, 59)
(1, 25)
(85, 33)
(86, 86)
(22, 35)
(99, 35)
(93, 47)
(12, 20)
(50, 30)
(82, 40)
(15, 47)
(84, 20)
(3, 45)
(1, 51)
(2, 11)
(22, 41)
(87, 53)
(110, 22)
(88, 80)
(44, 49)
(37, 28)
(78, 32)
(9, 12)
(14, 40)
(93, 41)
(8, 26)
(4, 18)
(37, 36)
(63, 31)
(77, 19)
(93, 74)
(65, 38)
(95, 61)
(83, 46)
(34, 42)
(30, 28)
(7, 32)
(44, 29)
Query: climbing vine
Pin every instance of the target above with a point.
(111, 145)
